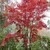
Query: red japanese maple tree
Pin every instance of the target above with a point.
(27, 14)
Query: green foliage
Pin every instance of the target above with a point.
(11, 45)
(43, 44)
(2, 19)
(37, 46)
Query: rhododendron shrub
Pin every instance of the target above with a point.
(26, 16)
